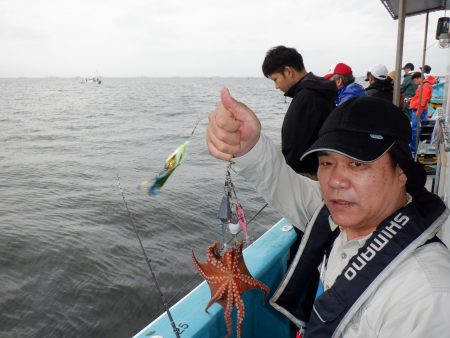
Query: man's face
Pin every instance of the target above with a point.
(371, 79)
(283, 81)
(417, 81)
(338, 81)
(407, 70)
(360, 195)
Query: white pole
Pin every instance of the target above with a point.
(399, 53)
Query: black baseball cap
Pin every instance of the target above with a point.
(409, 65)
(364, 129)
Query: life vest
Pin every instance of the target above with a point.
(390, 244)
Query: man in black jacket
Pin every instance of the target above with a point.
(313, 98)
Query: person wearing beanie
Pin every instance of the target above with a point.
(380, 85)
(312, 100)
(369, 222)
(342, 75)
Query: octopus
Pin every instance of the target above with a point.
(228, 278)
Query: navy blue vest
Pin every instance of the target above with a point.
(409, 227)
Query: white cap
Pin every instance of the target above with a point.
(379, 72)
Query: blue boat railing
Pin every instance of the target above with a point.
(266, 260)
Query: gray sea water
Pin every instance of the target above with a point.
(70, 263)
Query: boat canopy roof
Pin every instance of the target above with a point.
(400, 9)
(415, 7)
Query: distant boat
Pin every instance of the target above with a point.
(91, 79)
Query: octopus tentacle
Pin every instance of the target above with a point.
(228, 278)
(240, 313)
(228, 309)
(218, 295)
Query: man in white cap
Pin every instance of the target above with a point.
(369, 222)
(379, 84)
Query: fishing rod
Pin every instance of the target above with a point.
(171, 163)
(161, 295)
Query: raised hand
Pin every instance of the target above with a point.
(233, 128)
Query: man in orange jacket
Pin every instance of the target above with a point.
(419, 111)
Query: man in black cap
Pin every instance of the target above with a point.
(369, 222)
(407, 88)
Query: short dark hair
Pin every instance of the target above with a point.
(415, 172)
(409, 65)
(394, 157)
(426, 69)
(279, 57)
(416, 75)
(346, 78)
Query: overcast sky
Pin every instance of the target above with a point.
(201, 37)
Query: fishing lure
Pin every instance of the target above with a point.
(172, 162)
(231, 213)
(225, 270)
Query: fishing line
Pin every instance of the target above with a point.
(161, 309)
(240, 230)
(161, 295)
(195, 127)
(263, 207)
(165, 302)
(172, 162)
(252, 219)
(230, 167)
(185, 285)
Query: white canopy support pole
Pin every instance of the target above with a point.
(425, 44)
(399, 53)
(419, 110)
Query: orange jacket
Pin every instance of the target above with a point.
(431, 79)
(426, 96)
